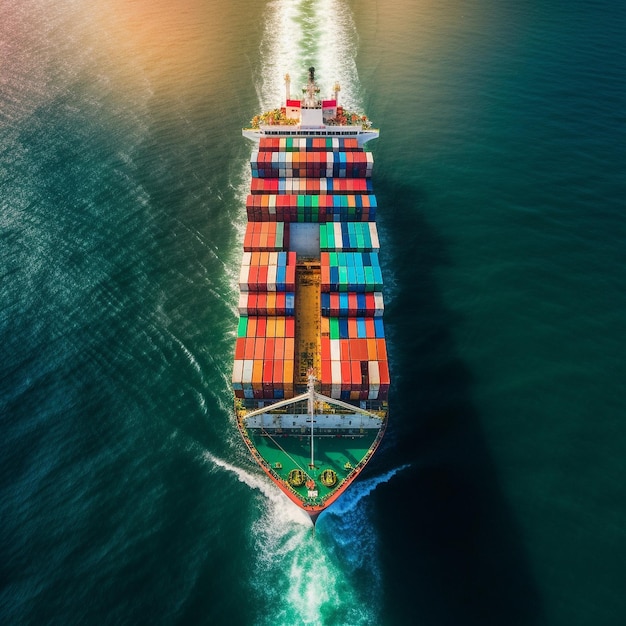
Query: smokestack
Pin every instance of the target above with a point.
(287, 88)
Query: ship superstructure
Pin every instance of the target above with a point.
(311, 374)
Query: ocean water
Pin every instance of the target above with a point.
(497, 496)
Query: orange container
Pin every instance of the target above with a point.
(371, 349)
(279, 348)
(279, 327)
(325, 326)
(257, 373)
(289, 349)
(381, 349)
(288, 375)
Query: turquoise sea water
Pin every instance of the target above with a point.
(497, 497)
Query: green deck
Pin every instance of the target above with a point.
(284, 453)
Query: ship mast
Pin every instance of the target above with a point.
(311, 407)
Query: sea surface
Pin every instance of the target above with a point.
(498, 496)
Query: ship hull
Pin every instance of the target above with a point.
(268, 458)
(311, 375)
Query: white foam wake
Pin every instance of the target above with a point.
(300, 33)
(282, 509)
(311, 578)
(360, 490)
(308, 578)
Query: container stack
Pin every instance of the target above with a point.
(267, 303)
(309, 144)
(351, 271)
(347, 164)
(264, 357)
(353, 348)
(326, 181)
(268, 271)
(265, 345)
(354, 358)
(352, 304)
(311, 208)
(266, 237)
(297, 186)
(349, 236)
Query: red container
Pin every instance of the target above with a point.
(326, 371)
(261, 303)
(261, 325)
(277, 374)
(346, 375)
(240, 348)
(381, 349)
(355, 367)
(344, 348)
(268, 372)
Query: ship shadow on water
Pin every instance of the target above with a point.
(450, 549)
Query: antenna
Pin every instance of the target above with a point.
(311, 407)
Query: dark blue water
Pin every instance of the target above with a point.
(497, 498)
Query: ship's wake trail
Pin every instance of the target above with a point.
(301, 577)
(300, 33)
(283, 510)
(330, 577)
(350, 500)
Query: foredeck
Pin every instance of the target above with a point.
(344, 455)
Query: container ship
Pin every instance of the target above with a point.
(311, 374)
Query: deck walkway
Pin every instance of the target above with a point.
(308, 307)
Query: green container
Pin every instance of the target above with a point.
(360, 241)
(367, 237)
(242, 328)
(343, 278)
